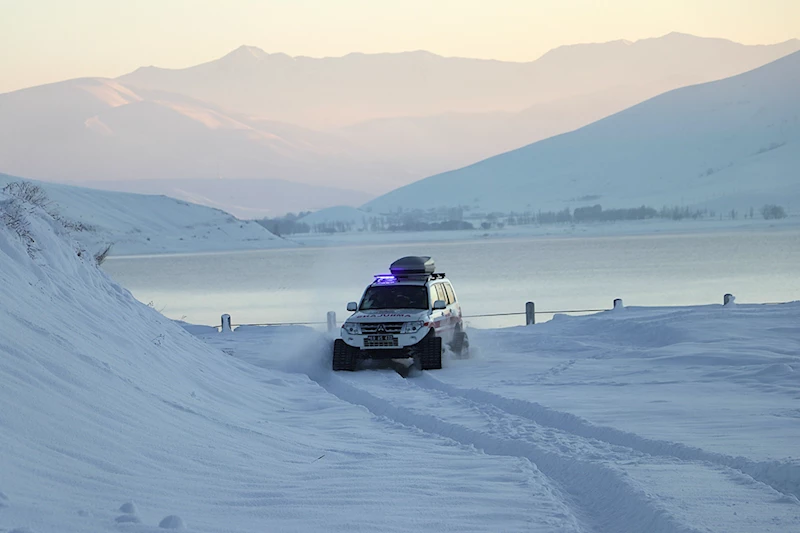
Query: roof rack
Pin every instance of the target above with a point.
(391, 278)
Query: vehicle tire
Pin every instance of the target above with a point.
(460, 344)
(345, 357)
(431, 356)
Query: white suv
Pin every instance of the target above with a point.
(408, 313)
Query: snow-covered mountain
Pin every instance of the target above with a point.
(732, 143)
(418, 114)
(96, 130)
(438, 143)
(141, 224)
(574, 86)
(367, 123)
(339, 91)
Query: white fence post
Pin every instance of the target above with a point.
(530, 313)
(226, 324)
(331, 321)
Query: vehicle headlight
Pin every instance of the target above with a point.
(412, 327)
(353, 328)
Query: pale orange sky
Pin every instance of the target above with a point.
(44, 41)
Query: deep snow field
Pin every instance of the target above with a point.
(114, 418)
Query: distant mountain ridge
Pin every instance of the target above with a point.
(333, 126)
(731, 143)
(341, 91)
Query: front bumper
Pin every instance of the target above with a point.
(385, 342)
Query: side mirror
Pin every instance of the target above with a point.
(439, 304)
(352, 306)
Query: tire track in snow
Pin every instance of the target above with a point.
(608, 502)
(782, 477)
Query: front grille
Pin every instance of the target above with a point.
(388, 327)
(369, 343)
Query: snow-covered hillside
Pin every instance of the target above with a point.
(141, 224)
(114, 418)
(733, 143)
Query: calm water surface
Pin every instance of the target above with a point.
(490, 276)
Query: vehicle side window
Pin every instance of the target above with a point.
(440, 292)
(451, 296)
(445, 296)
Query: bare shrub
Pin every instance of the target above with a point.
(14, 216)
(34, 195)
(27, 192)
(15, 211)
(72, 225)
(100, 257)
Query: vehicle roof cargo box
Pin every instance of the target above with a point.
(412, 266)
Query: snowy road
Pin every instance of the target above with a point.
(608, 477)
(600, 478)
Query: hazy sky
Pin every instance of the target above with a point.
(50, 40)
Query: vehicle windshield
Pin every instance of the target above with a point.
(395, 297)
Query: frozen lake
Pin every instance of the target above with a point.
(490, 276)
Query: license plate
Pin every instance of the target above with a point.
(380, 338)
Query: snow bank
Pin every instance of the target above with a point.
(141, 224)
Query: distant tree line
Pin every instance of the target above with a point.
(596, 213)
(288, 224)
(332, 227)
(448, 225)
(452, 219)
(772, 211)
(682, 213)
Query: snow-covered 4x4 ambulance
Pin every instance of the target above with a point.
(408, 313)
